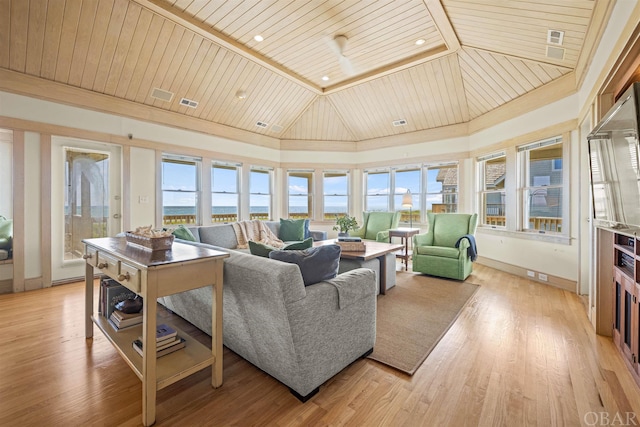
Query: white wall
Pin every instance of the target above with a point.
(143, 186)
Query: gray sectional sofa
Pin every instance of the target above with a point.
(302, 336)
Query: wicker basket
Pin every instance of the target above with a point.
(352, 246)
(151, 243)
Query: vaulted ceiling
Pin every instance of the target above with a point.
(476, 56)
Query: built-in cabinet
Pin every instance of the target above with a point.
(625, 291)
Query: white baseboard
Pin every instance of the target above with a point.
(558, 282)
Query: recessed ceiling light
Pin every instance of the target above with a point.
(420, 41)
(325, 78)
(258, 38)
(241, 94)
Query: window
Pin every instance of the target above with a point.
(300, 187)
(492, 171)
(335, 188)
(224, 192)
(260, 193)
(541, 185)
(180, 190)
(407, 180)
(377, 192)
(442, 188)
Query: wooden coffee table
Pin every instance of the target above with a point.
(373, 250)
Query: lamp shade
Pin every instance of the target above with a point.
(407, 200)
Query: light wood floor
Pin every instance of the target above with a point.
(521, 353)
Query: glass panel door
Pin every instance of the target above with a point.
(86, 203)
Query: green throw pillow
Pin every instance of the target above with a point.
(298, 246)
(291, 230)
(184, 233)
(260, 249)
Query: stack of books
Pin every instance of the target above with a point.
(120, 320)
(167, 341)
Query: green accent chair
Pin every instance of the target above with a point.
(376, 225)
(6, 237)
(434, 252)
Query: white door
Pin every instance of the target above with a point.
(86, 196)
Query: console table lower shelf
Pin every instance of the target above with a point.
(170, 368)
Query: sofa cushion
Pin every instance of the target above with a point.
(316, 264)
(291, 230)
(182, 232)
(441, 251)
(262, 249)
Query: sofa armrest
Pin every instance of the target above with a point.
(358, 232)
(425, 239)
(326, 337)
(318, 235)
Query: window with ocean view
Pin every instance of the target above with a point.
(224, 192)
(335, 189)
(260, 193)
(180, 188)
(377, 190)
(300, 197)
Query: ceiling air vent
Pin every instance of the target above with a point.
(162, 95)
(555, 37)
(188, 103)
(401, 122)
(555, 52)
(262, 124)
(276, 128)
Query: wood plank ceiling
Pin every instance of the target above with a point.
(476, 56)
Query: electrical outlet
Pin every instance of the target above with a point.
(143, 199)
(542, 277)
(531, 273)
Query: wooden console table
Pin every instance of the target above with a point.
(405, 234)
(153, 275)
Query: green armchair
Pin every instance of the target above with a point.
(435, 252)
(6, 238)
(376, 225)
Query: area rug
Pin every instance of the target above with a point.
(414, 315)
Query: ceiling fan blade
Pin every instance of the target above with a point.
(346, 66)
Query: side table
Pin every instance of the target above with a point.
(405, 234)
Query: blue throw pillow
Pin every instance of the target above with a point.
(307, 233)
(316, 264)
